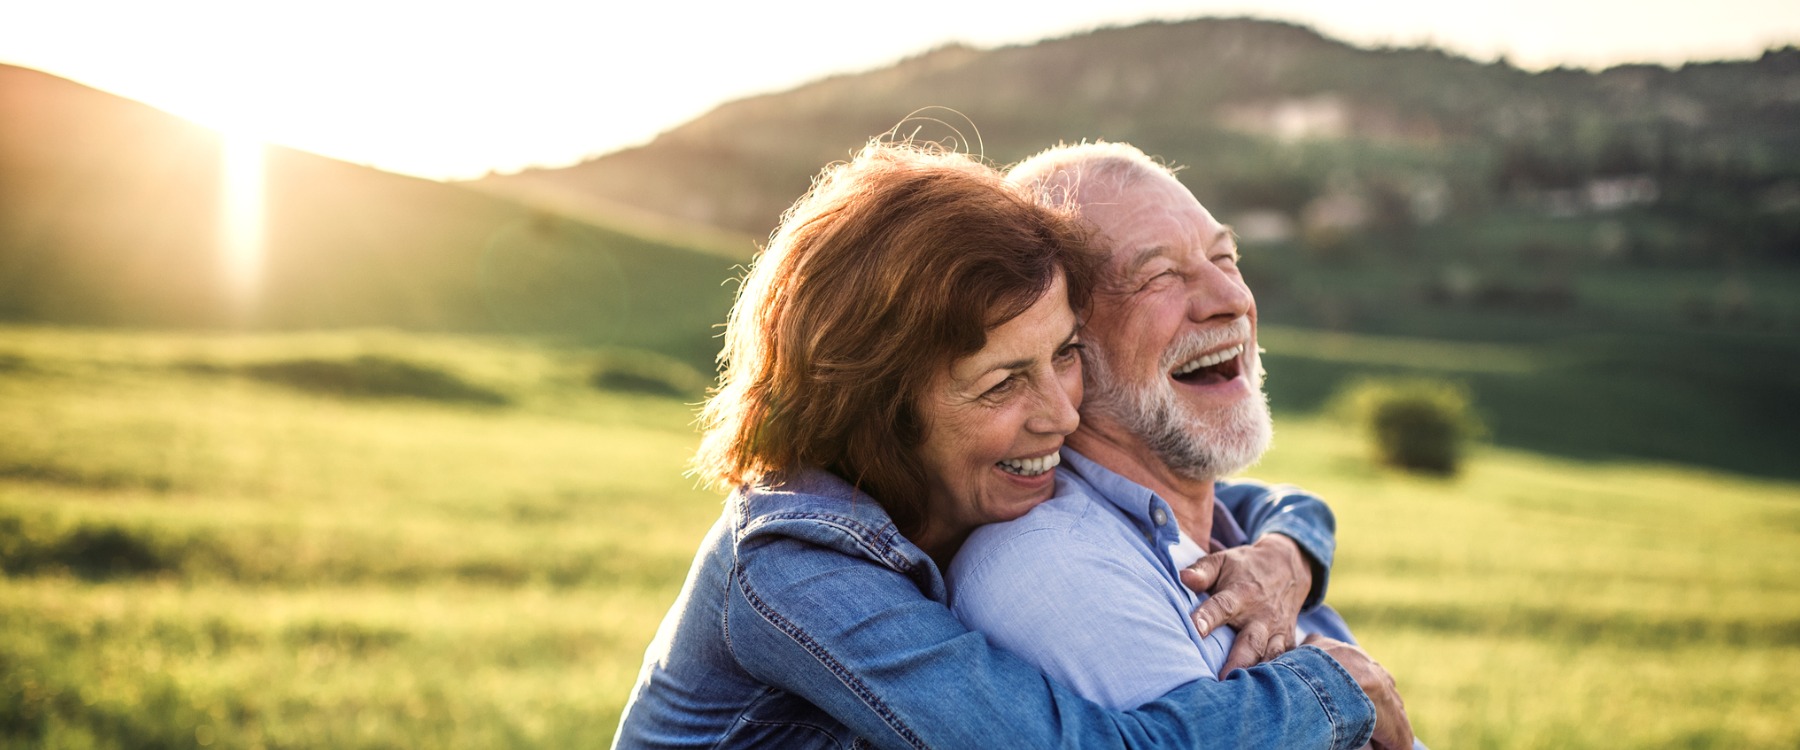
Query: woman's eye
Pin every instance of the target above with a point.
(1002, 388)
(1070, 352)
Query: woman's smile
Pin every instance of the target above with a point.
(1030, 467)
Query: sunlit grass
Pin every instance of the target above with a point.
(324, 571)
(1538, 602)
(339, 573)
(445, 665)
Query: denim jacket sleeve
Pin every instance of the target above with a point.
(1292, 512)
(863, 643)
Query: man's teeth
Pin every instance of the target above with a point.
(1031, 467)
(1209, 360)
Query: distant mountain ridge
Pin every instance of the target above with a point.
(1265, 114)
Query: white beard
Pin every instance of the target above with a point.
(1196, 445)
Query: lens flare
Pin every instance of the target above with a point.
(241, 226)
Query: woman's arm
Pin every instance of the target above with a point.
(865, 645)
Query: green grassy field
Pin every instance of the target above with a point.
(204, 548)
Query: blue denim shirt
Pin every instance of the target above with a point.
(1085, 586)
(807, 620)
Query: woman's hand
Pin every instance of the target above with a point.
(1393, 731)
(1258, 589)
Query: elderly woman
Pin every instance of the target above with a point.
(901, 366)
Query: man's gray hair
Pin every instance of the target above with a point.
(1067, 175)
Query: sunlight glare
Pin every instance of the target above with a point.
(241, 220)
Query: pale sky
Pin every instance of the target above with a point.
(448, 89)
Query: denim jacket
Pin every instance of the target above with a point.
(807, 620)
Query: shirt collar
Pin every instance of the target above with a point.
(1150, 512)
(1142, 505)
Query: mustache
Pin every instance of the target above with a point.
(1202, 341)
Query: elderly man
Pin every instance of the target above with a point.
(1088, 585)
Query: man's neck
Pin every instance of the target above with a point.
(1127, 455)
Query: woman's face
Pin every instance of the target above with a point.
(995, 420)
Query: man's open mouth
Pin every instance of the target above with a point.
(1211, 369)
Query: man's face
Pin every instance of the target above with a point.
(1172, 337)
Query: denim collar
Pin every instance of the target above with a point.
(818, 506)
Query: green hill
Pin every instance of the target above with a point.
(1629, 232)
(1633, 233)
(1268, 115)
(110, 215)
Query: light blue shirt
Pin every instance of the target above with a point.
(1085, 588)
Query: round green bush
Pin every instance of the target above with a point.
(1421, 426)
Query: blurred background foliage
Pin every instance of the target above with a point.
(1417, 425)
(428, 489)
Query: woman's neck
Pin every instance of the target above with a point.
(940, 543)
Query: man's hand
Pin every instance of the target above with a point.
(1392, 729)
(1258, 589)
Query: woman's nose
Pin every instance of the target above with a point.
(1055, 413)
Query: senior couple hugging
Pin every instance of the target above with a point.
(977, 427)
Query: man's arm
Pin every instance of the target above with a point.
(913, 676)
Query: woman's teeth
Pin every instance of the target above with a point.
(1031, 467)
(1219, 357)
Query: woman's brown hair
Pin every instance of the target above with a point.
(890, 268)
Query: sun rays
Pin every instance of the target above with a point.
(241, 213)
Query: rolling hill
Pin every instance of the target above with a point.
(1275, 117)
(1633, 233)
(110, 215)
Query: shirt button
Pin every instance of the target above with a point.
(1158, 517)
